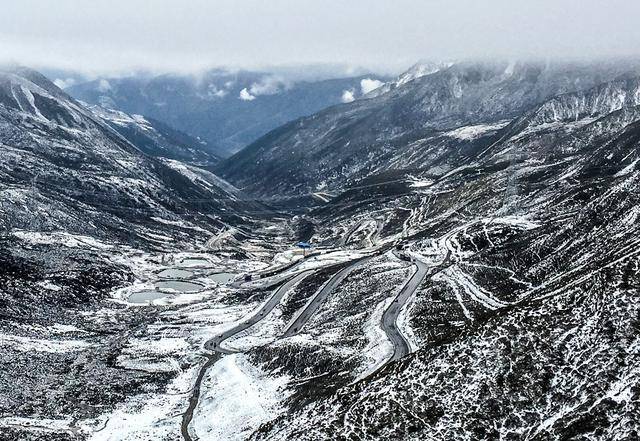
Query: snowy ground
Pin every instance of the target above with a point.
(238, 397)
(379, 349)
(147, 416)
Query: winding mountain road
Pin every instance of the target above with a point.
(214, 345)
(401, 346)
(389, 322)
(319, 297)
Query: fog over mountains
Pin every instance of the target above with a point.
(451, 253)
(227, 110)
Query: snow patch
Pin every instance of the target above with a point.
(60, 238)
(628, 169)
(469, 133)
(149, 416)
(245, 95)
(368, 84)
(28, 344)
(237, 397)
(379, 349)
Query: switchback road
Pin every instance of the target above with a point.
(319, 297)
(214, 345)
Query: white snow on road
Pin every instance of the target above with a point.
(237, 397)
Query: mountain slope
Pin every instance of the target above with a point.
(156, 138)
(63, 168)
(399, 128)
(527, 326)
(475, 277)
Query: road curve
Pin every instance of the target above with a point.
(390, 316)
(319, 297)
(214, 345)
(344, 239)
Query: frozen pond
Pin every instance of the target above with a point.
(145, 296)
(195, 262)
(179, 285)
(222, 277)
(175, 273)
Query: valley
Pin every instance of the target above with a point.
(474, 268)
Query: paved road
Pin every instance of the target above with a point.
(195, 395)
(390, 316)
(401, 346)
(319, 297)
(272, 271)
(213, 345)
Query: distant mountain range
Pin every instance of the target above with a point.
(432, 117)
(227, 110)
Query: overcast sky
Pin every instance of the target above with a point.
(183, 35)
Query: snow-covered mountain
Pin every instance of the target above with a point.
(156, 138)
(228, 110)
(63, 167)
(416, 71)
(474, 270)
(426, 122)
(526, 324)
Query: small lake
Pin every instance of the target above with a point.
(222, 277)
(195, 262)
(175, 273)
(145, 296)
(179, 285)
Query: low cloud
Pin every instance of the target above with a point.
(246, 96)
(64, 83)
(123, 35)
(269, 85)
(104, 86)
(214, 92)
(368, 84)
(348, 96)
